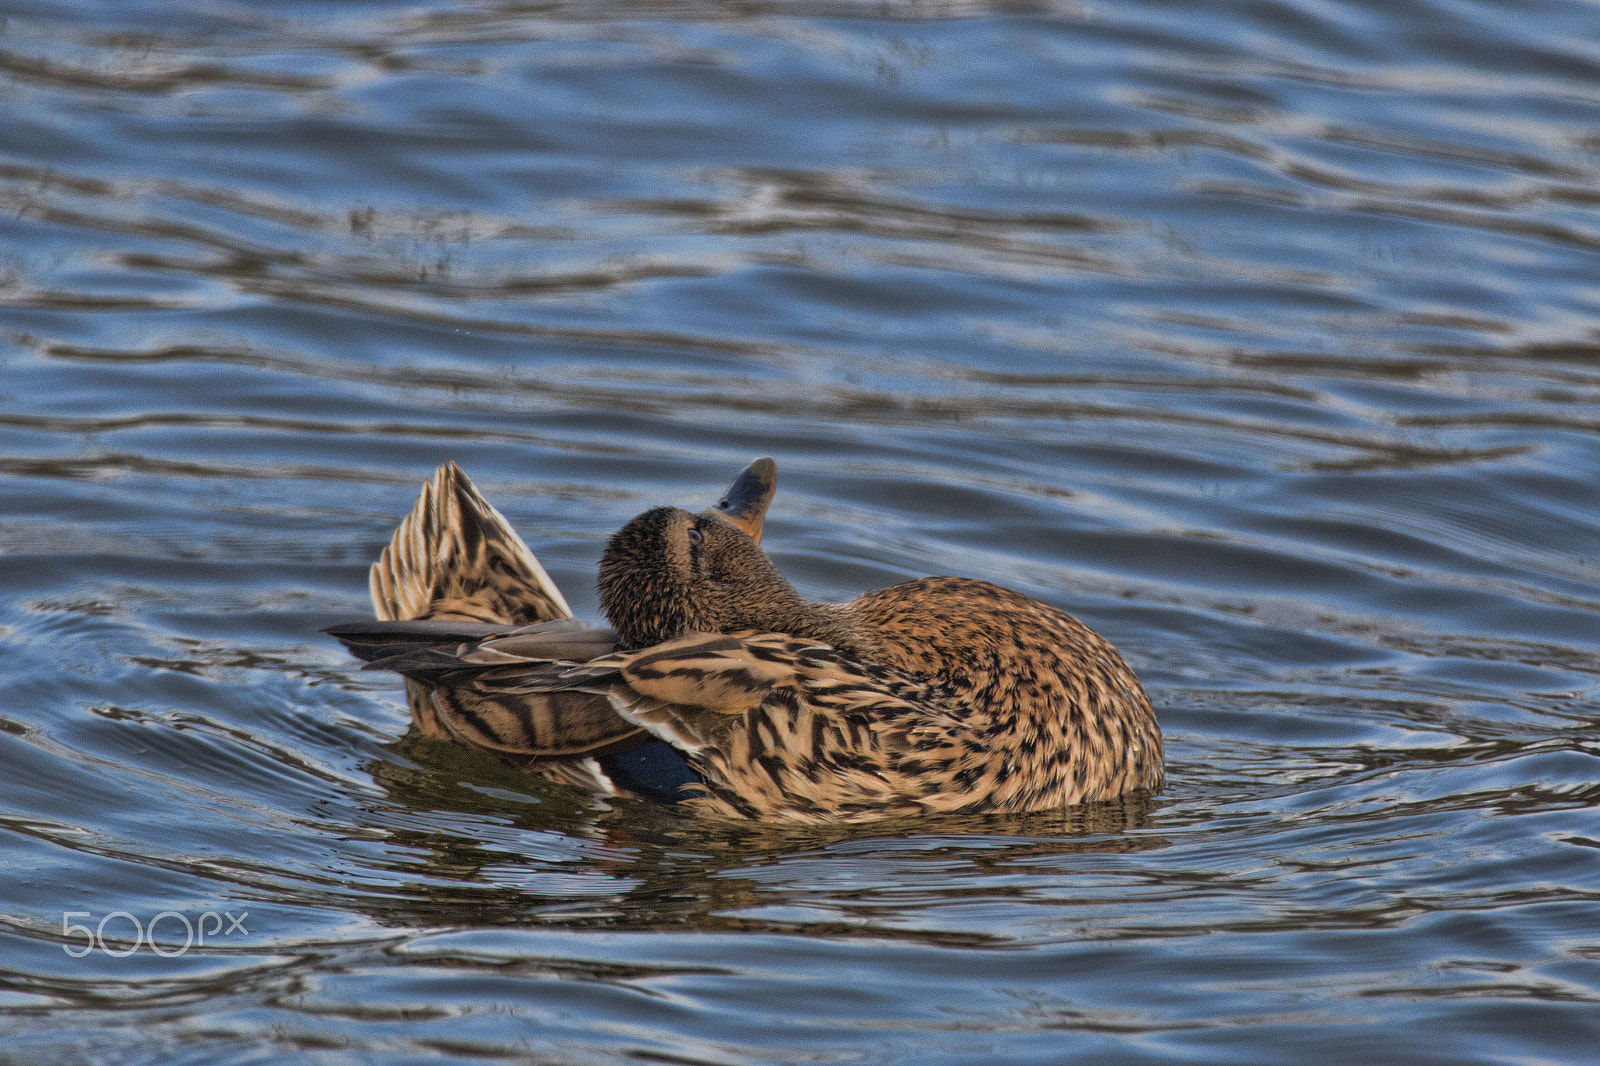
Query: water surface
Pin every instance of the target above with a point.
(1265, 337)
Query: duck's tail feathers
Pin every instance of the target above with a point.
(456, 557)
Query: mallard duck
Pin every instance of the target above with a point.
(943, 694)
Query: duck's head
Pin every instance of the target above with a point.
(669, 572)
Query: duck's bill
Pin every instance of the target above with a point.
(746, 501)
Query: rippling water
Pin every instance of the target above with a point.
(1264, 336)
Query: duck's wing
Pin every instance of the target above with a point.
(456, 557)
(475, 681)
(429, 649)
(783, 728)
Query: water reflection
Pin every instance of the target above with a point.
(638, 866)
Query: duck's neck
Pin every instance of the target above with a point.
(783, 611)
(834, 624)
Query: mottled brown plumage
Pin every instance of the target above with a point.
(939, 695)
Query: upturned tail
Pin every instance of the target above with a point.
(455, 557)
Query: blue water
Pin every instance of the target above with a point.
(1264, 337)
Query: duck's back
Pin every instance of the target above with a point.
(1055, 714)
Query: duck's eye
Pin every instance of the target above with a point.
(694, 535)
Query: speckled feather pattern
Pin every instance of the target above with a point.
(984, 700)
(938, 695)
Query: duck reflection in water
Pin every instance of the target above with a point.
(635, 866)
(720, 688)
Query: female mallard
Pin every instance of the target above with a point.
(938, 695)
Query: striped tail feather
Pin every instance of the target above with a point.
(456, 557)
(454, 571)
